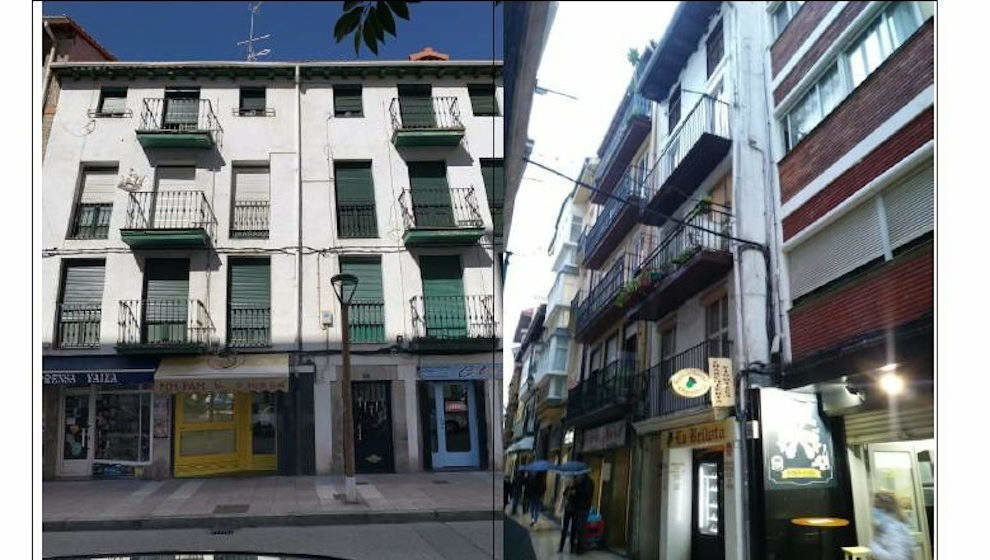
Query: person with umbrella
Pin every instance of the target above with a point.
(577, 503)
(536, 485)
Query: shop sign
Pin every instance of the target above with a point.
(711, 433)
(690, 382)
(797, 444)
(222, 385)
(605, 437)
(80, 379)
(723, 385)
(457, 372)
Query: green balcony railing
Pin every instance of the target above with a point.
(249, 327)
(79, 325)
(367, 321)
(173, 325)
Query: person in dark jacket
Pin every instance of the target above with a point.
(518, 482)
(535, 488)
(576, 511)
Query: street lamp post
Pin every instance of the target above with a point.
(344, 286)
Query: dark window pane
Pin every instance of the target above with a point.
(483, 102)
(347, 101)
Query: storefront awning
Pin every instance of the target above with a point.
(80, 371)
(524, 444)
(230, 374)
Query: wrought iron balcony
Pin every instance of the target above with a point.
(597, 309)
(614, 222)
(249, 327)
(693, 256)
(78, 325)
(367, 321)
(164, 325)
(629, 127)
(168, 219)
(605, 394)
(454, 323)
(250, 219)
(441, 216)
(658, 399)
(426, 122)
(691, 153)
(178, 123)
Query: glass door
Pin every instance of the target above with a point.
(206, 439)
(894, 467)
(77, 433)
(707, 529)
(457, 428)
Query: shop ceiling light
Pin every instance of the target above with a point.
(892, 384)
(889, 367)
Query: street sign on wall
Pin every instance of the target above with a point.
(723, 385)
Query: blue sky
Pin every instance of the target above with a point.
(300, 30)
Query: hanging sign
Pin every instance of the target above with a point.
(797, 444)
(605, 437)
(690, 382)
(723, 385)
(712, 433)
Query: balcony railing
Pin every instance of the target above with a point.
(78, 325)
(440, 208)
(711, 224)
(367, 321)
(249, 327)
(611, 222)
(170, 210)
(434, 113)
(699, 142)
(179, 116)
(628, 129)
(658, 399)
(172, 325)
(356, 221)
(454, 317)
(602, 295)
(614, 384)
(250, 219)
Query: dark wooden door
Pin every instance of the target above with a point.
(372, 426)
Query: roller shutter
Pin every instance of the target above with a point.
(910, 206)
(355, 199)
(416, 106)
(367, 321)
(483, 101)
(912, 421)
(430, 194)
(166, 300)
(249, 302)
(174, 178)
(251, 184)
(493, 174)
(347, 101)
(99, 185)
(83, 283)
(443, 296)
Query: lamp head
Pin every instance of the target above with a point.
(344, 286)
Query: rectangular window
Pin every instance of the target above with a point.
(92, 216)
(367, 309)
(355, 200)
(483, 102)
(783, 15)
(113, 102)
(674, 109)
(668, 341)
(493, 174)
(249, 303)
(714, 47)
(250, 212)
(347, 101)
(78, 313)
(123, 426)
(717, 327)
(252, 102)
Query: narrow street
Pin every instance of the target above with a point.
(545, 536)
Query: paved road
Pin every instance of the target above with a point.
(471, 540)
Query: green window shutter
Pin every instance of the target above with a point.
(166, 300)
(81, 306)
(367, 311)
(430, 194)
(443, 296)
(355, 200)
(483, 102)
(253, 99)
(416, 106)
(347, 101)
(249, 302)
(493, 173)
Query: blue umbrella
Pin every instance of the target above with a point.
(571, 468)
(537, 466)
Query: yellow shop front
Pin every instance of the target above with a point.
(225, 412)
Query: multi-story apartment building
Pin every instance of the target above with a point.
(852, 94)
(674, 273)
(194, 213)
(528, 359)
(512, 394)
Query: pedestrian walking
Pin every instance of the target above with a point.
(581, 494)
(536, 487)
(570, 512)
(891, 536)
(518, 482)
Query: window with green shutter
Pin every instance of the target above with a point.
(347, 101)
(493, 173)
(416, 106)
(249, 303)
(367, 310)
(483, 102)
(166, 300)
(443, 296)
(355, 200)
(81, 305)
(252, 102)
(430, 194)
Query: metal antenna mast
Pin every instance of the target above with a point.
(251, 55)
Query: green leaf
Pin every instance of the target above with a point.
(376, 24)
(369, 35)
(399, 8)
(386, 19)
(357, 42)
(346, 24)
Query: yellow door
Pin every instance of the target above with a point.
(617, 504)
(214, 433)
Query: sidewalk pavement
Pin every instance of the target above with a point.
(268, 501)
(545, 535)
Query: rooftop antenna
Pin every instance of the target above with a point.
(251, 55)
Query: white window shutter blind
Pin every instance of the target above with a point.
(98, 186)
(251, 184)
(176, 178)
(114, 104)
(848, 243)
(910, 206)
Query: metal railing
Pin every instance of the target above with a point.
(249, 327)
(453, 317)
(164, 323)
(78, 325)
(367, 321)
(434, 113)
(613, 384)
(179, 115)
(633, 105)
(170, 210)
(439, 208)
(682, 243)
(658, 399)
(708, 116)
(630, 191)
(357, 220)
(250, 219)
(603, 293)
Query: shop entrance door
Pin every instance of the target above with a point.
(77, 433)
(372, 426)
(895, 467)
(217, 433)
(457, 425)
(707, 528)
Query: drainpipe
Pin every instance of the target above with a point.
(299, 217)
